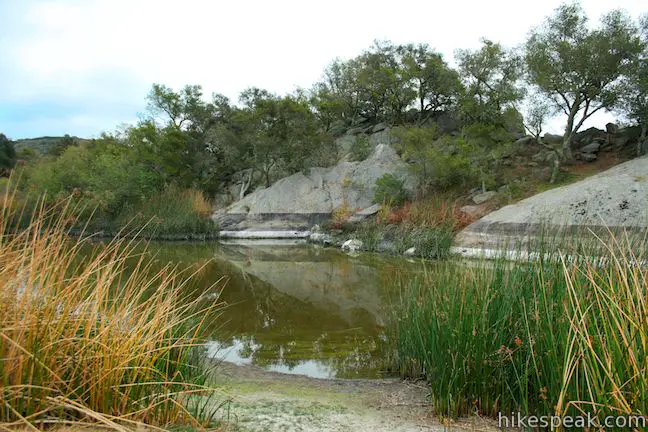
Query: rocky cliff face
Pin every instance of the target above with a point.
(297, 202)
(614, 199)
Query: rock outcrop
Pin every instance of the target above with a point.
(614, 199)
(295, 203)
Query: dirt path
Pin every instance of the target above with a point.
(268, 401)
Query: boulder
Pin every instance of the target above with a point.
(320, 238)
(540, 157)
(589, 135)
(311, 196)
(352, 245)
(410, 252)
(365, 213)
(447, 124)
(524, 141)
(593, 147)
(552, 139)
(616, 198)
(473, 211)
(612, 128)
(356, 130)
(379, 127)
(588, 157)
(483, 197)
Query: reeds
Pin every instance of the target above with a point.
(554, 336)
(92, 340)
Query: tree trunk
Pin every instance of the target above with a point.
(245, 186)
(556, 168)
(642, 144)
(568, 155)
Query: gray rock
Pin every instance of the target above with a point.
(365, 213)
(552, 139)
(447, 124)
(611, 128)
(410, 252)
(616, 198)
(483, 197)
(379, 127)
(589, 135)
(356, 130)
(473, 211)
(352, 245)
(524, 141)
(320, 238)
(593, 147)
(322, 190)
(588, 157)
(539, 157)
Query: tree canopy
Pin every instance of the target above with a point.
(580, 69)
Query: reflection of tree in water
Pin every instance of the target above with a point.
(273, 328)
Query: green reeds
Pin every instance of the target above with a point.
(554, 335)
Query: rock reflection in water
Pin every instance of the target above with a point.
(294, 309)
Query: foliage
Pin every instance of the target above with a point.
(634, 98)
(435, 162)
(104, 173)
(547, 337)
(70, 353)
(437, 210)
(436, 86)
(491, 77)
(383, 83)
(390, 190)
(429, 242)
(171, 211)
(579, 68)
(7, 153)
(360, 148)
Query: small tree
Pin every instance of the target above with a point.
(634, 100)
(578, 69)
(7, 154)
(491, 77)
(537, 113)
(435, 84)
(389, 189)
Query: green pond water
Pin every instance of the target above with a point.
(294, 308)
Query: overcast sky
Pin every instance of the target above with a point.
(85, 66)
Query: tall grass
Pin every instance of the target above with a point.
(548, 337)
(88, 339)
(171, 211)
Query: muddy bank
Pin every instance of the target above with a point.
(270, 401)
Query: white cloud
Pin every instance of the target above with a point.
(111, 51)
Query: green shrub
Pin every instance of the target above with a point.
(360, 149)
(390, 190)
(171, 211)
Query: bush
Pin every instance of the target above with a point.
(171, 211)
(90, 340)
(390, 190)
(436, 162)
(360, 149)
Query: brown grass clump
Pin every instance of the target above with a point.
(92, 340)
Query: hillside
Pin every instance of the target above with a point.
(45, 144)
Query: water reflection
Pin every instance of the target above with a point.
(294, 309)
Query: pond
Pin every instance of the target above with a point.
(295, 308)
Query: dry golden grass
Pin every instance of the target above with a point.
(91, 340)
(201, 205)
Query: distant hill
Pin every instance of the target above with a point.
(44, 144)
